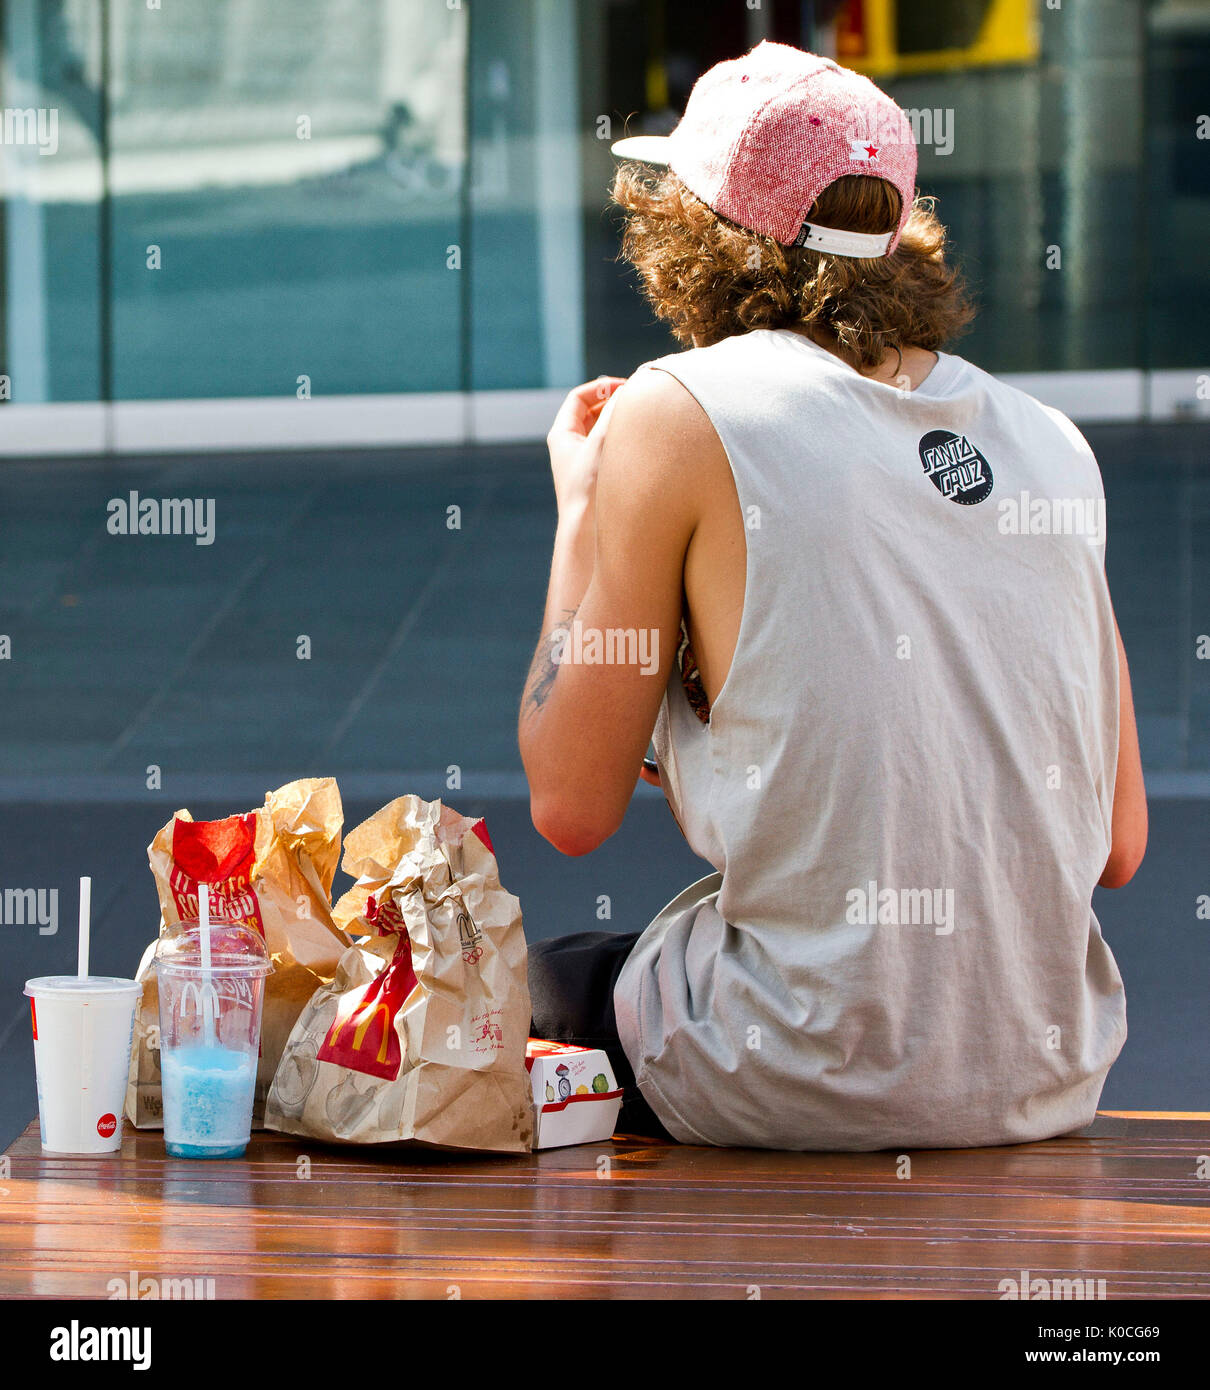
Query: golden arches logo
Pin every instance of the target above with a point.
(201, 996)
(368, 1012)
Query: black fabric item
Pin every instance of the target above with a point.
(571, 980)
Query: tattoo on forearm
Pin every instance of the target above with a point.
(544, 668)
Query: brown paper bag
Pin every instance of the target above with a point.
(421, 1036)
(272, 869)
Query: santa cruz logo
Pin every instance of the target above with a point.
(957, 469)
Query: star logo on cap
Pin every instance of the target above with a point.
(863, 150)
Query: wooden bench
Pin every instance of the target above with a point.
(1122, 1202)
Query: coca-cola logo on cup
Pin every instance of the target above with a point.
(106, 1126)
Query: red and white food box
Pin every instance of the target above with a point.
(576, 1096)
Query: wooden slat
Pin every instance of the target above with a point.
(628, 1218)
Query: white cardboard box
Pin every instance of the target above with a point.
(576, 1096)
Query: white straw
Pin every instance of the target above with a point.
(85, 912)
(203, 908)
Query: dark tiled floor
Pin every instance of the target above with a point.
(129, 652)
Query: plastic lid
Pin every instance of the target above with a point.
(235, 948)
(72, 986)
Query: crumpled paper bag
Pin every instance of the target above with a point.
(420, 1037)
(272, 869)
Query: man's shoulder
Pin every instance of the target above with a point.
(1044, 413)
(660, 445)
(1034, 423)
(661, 407)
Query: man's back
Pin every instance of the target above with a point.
(906, 780)
(901, 728)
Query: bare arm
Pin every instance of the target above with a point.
(587, 714)
(1129, 833)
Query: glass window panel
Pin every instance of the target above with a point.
(50, 181)
(1177, 207)
(300, 169)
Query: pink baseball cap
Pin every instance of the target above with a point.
(763, 135)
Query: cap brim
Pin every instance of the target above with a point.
(647, 149)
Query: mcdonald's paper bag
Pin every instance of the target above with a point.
(271, 869)
(421, 1036)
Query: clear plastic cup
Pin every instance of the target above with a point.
(82, 1038)
(210, 1037)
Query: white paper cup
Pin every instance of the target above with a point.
(82, 1037)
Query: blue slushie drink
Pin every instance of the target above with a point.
(210, 1019)
(208, 1095)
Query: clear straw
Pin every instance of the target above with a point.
(85, 912)
(208, 994)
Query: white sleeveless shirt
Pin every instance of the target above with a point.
(906, 782)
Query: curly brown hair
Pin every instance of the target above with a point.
(710, 279)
